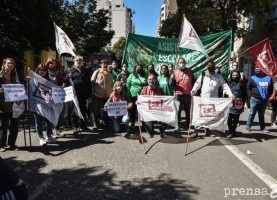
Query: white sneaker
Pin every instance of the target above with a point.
(50, 139)
(273, 125)
(57, 133)
(42, 141)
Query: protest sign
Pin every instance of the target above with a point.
(61, 95)
(158, 108)
(14, 92)
(117, 108)
(210, 113)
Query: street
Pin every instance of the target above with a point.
(109, 166)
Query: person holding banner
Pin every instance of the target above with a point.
(238, 89)
(163, 81)
(135, 83)
(152, 89)
(183, 79)
(56, 77)
(209, 86)
(7, 76)
(259, 89)
(42, 71)
(119, 95)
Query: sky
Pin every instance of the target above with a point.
(147, 14)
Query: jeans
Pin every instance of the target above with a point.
(233, 120)
(256, 105)
(97, 104)
(69, 113)
(11, 123)
(185, 102)
(133, 111)
(116, 122)
(38, 125)
(274, 112)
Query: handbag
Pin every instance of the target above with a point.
(273, 97)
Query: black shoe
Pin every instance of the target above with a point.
(232, 135)
(152, 135)
(127, 135)
(162, 135)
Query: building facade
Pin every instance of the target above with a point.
(169, 6)
(120, 18)
(257, 30)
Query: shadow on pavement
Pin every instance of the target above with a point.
(84, 182)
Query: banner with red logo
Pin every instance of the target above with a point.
(210, 113)
(263, 57)
(158, 108)
(41, 100)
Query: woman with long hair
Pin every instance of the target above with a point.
(43, 72)
(7, 76)
(239, 91)
(135, 83)
(163, 81)
(118, 95)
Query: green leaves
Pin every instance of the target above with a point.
(118, 48)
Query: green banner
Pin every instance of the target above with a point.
(145, 50)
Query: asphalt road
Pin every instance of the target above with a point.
(102, 165)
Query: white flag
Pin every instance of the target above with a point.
(63, 43)
(158, 108)
(210, 113)
(40, 97)
(189, 38)
(75, 101)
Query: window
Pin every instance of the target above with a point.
(118, 6)
(110, 13)
(110, 25)
(110, 19)
(273, 15)
(250, 23)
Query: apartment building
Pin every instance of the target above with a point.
(169, 6)
(120, 18)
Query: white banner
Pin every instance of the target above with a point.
(40, 97)
(62, 95)
(189, 38)
(210, 113)
(117, 108)
(14, 92)
(63, 43)
(158, 108)
(76, 102)
(18, 108)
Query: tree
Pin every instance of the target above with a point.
(24, 25)
(84, 26)
(118, 48)
(210, 16)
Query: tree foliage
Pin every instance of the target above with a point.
(118, 48)
(211, 16)
(28, 24)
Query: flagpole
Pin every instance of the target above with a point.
(141, 133)
(180, 36)
(29, 113)
(243, 52)
(191, 102)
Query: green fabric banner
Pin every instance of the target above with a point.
(145, 50)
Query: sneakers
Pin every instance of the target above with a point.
(14, 147)
(57, 133)
(162, 135)
(194, 134)
(247, 130)
(273, 125)
(176, 129)
(50, 139)
(42, 141)
(265, 130)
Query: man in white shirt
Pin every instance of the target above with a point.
(211, 83)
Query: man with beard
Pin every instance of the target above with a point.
(209, 88)
(82, 86)
(115, 71)
(151, 70)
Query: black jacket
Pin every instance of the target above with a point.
(253, 91)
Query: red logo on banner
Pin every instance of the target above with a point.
(263, 57)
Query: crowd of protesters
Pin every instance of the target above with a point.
(98, 83)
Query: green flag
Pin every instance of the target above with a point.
(145, 50)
